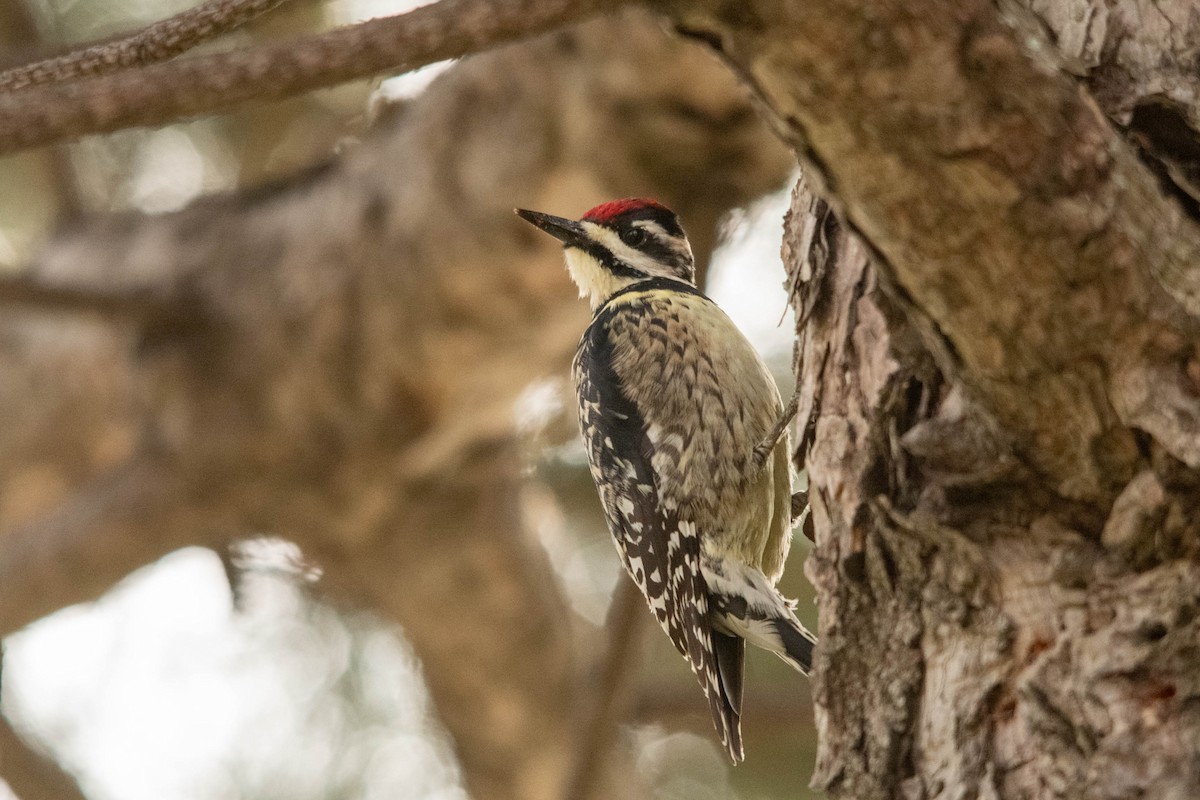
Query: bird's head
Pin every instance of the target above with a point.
(620, 243)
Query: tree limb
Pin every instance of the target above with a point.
(612, 689)
(158, 41)
(155, 95)
(117, 306)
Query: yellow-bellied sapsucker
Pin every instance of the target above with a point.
(686, 439)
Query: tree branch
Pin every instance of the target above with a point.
(610, 700)
(156, 42)
(158, 94)
(137, 308)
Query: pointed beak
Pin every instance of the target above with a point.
(567, 231)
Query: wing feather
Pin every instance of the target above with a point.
(659, 547)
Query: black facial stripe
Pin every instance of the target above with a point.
(663, 253)
(664, 217)
(609, 261)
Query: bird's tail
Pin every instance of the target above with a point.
(725, 696)
(744, 603)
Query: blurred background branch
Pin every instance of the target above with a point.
(25, 291)
(611, 689)
(102, 531)
(156, 42)
(221, 81)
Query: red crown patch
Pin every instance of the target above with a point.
(615, 208)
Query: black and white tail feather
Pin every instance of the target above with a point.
(742, 606)
(745, 604)
(734, 604)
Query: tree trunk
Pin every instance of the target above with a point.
(1000, 386)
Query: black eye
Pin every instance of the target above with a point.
(634, 237)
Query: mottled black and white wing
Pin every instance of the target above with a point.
(660, 548)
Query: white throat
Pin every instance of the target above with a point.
(595, 282)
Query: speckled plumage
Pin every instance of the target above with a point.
(702, 393)
(670, 393)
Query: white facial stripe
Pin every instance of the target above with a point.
(624, 253)
(650, 226)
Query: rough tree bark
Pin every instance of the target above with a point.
(998, 361)
(336, 360)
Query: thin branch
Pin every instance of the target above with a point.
(138, 308)
(156, 42)
(613, 687)
(30, 774)
(163, 93)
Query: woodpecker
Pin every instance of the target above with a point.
(687, 442)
